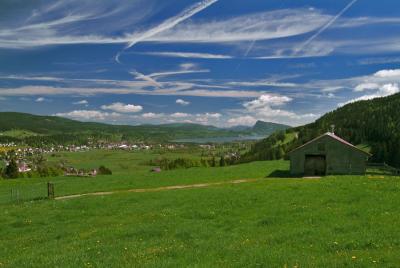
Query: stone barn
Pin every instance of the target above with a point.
(327, 155)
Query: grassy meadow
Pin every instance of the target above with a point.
(343, 221)
(130, 170)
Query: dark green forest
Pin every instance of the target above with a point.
(375, 123)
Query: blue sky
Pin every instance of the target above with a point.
(218, 62)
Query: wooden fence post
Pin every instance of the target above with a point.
(50, 190)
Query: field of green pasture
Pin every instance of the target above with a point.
(329, 222)
(130, 170)
(343, 221)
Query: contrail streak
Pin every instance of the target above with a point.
(172, 22)
(168, 24)
(324, 28)
(250, 48)
(146, 78)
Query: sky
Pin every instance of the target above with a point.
(212, 62)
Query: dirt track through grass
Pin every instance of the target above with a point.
(158, 189)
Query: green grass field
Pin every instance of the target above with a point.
(275, 222)
(17, 133)
(129, 171)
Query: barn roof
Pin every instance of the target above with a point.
(332, 135)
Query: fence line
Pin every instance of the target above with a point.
(24, 192)
(384, 167)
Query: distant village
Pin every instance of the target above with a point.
(23, 155)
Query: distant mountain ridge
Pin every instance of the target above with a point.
(58, 128)
(262, 127)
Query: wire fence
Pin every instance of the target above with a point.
(23, 192)
(382, 169)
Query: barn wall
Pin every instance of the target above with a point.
(340, 158)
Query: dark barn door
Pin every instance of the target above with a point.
(315, 165)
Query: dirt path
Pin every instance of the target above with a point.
(158, 189)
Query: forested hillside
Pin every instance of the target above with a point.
(375, 123)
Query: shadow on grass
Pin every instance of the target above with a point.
(280, 174)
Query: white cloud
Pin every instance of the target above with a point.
(123, 108)
(331, 95)
(81, 102)
(388, 73)
(212, 115)
(265, 108)
(366, 86)
(40, 99)
(201, 118)
(182, 102)
(207, 118)
(246, 120)
(389, 89)
(179, 115)
(89, 115)
(383, 91)
(152, 115)
(188, 66)
(266, 100)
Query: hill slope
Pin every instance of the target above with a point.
(268, 128)
(373, 122)
(51, 129)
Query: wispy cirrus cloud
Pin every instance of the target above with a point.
(166, 25)
(324, 28)
(328, 47)
(256, 26)
(60, 22)
(88, 91)
(146, 78)
(171, 22)
(192, 55)
(107, 23)
(185, 68)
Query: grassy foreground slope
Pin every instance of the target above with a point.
(332, 222)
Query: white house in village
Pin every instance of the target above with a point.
(23, 167)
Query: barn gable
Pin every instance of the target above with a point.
(328, 154)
